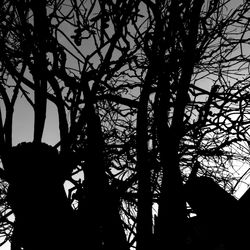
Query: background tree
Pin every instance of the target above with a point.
(144, 90)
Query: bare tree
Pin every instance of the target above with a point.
(196, 57)
(144, 90)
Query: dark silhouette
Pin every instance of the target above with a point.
(141, 90)
(43, 216)
(220, 218)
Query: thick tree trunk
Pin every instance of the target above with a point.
(99, 211)
(172, 207)
(170, 231)
(144, 211)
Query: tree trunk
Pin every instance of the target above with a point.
(172, 204)
(39, 69)
(99, 210)
(144, 211)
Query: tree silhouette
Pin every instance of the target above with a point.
(150, 95)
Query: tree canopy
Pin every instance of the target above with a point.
(148, 94)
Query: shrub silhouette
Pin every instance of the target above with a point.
(43, 216)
